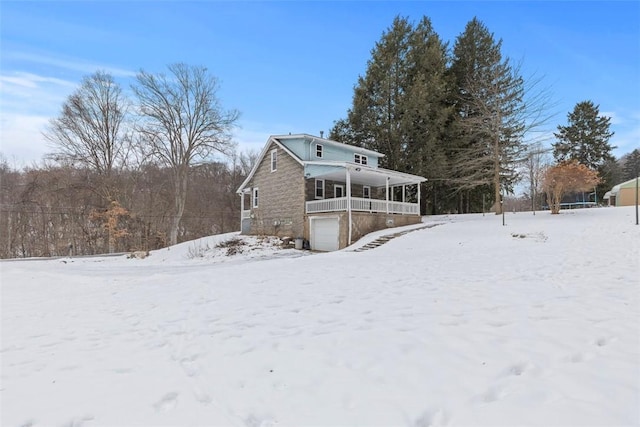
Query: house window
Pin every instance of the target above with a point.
(319, 150)
(338, 191)
(255, 197)
(319, 188)
(366, 191)
(360, 159)
(274, 160)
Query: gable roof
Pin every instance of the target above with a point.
(324, 141)
(276, 140)
(626, 184)
(272, 139)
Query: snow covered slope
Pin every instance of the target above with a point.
(466, 323)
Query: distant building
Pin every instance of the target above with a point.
(623, 194)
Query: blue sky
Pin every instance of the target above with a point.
(291, 66)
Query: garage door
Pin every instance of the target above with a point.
(324, 234)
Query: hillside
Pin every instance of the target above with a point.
(466, 323)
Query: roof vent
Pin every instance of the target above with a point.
(321, 133)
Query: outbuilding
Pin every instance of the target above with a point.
(623, 194)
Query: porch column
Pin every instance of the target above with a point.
(241, 209)
(418, 184)
(348, 184)
(387, 195)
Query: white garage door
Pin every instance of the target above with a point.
(324, 234)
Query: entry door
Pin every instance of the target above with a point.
(324, 234)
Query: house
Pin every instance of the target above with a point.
(623, 194)
(326, 192)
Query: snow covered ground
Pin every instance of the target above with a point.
(466, 323)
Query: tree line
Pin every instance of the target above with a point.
(128, 174)
(466, 118)
(149, 171)
(60, 210)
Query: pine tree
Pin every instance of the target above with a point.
(631, 165)
(399, 106)
(490, 107)
(585, 138)
(426, 113)
(374, 119)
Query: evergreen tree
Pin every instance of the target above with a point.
(585, 138)
(426, 113)
(490, 108)
(399, 105)
(378, 97)
(631, 167)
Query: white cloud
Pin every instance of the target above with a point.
(68, 64)
(32, 94)
(28, 102)
(30, 80)
(21, 140)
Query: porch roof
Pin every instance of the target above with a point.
(359, 174)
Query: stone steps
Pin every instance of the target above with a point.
(384, 239)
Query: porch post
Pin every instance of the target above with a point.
(387, 195)
(404, 192)
(348, 183)
(418, 184)
(241, 209)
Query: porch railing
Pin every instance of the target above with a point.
(362, 205)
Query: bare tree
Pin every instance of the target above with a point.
(497, 109)
(566, 177)
(536, 162)
(91, 130)
(182, 120)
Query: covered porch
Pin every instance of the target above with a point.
(356, 192)
(343, 187)
(359, 204)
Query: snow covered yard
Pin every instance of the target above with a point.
(466, 323)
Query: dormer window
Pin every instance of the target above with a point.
(319, 150)
(360, 159)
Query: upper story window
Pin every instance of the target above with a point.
(319, 150)
(360, 159)
(274, 160)
(255, 197)
(319, 188)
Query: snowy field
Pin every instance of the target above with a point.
(467, 323)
